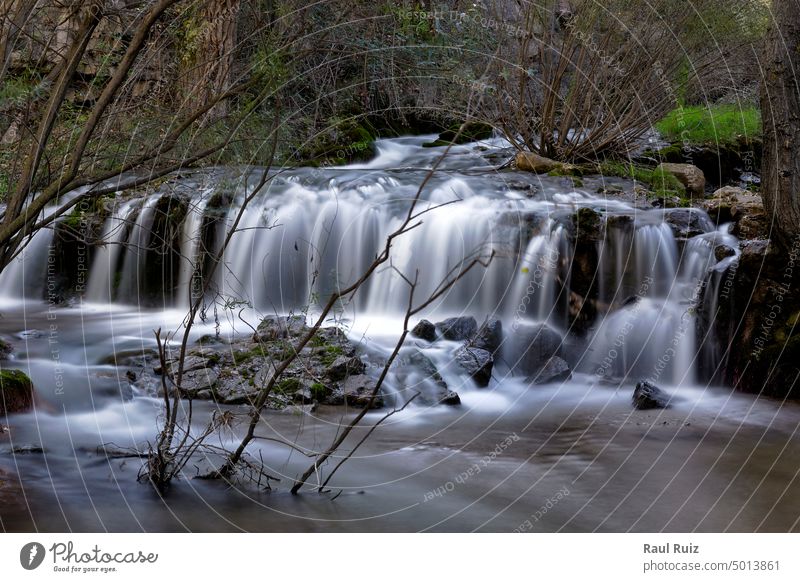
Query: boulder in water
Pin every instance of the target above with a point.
(458, 328)
(424, 330)
(532, 346)
(489, 336)
(16, 392)
(554, 370)
(437, 391)
(477, 362)
(687, 222)
(647, 396)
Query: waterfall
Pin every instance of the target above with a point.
(102, 274)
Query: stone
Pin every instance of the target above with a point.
(687, 222)
(424, 330)
(16, 392)
(344, 366)
(647, 396)
(554, 370)
(743, 208)
(433, 389)
(532, 162)
(477, 362)
(489, 336)
(458, 328)
(281, 327)
(531, 346)
(723, 252)
(358, 390)
(689, 175)
(5, 349)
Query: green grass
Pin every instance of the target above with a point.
(710, 124)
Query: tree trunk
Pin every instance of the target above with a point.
(780, 110)
(208, 60)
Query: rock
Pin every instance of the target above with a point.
(532, 345)
(198, 380)
(450, 398)
(433, 389)
(723, 252)
(281, 327)
(230, 389)
(141, 358)
(358, 390)
(344, 366)
(477, 362)
(647, 396)
(458, 328)
(489, 336)
(554, 370)
(5, 349)
(743, 208)
(16, 392)
(531, 162)
(424, 330)
(687, 222)
(690, 176)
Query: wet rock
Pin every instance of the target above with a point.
(532, 345)
(647, 396)
(687, 222)
(554, 370)
(531, 162)
(16, 392)
(458, 328)
(432, 387)
(489, 336)
(5, 349)
(424, 330)
(450, 398)
(358, 391)
(344, 366)
(723, 252)
(139, 358)
(690, 176)
(477, 362)
(198, 380)
(743, 208)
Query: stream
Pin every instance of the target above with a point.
(569, 455)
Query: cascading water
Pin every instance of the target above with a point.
(314, 231)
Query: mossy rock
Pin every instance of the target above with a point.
(16, 391)
(343, 142)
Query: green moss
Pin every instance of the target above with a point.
(245, 356)
(331, 353)
(655, 178)
(710, 124)
(319, 391)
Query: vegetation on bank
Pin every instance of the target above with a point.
(702, 124)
